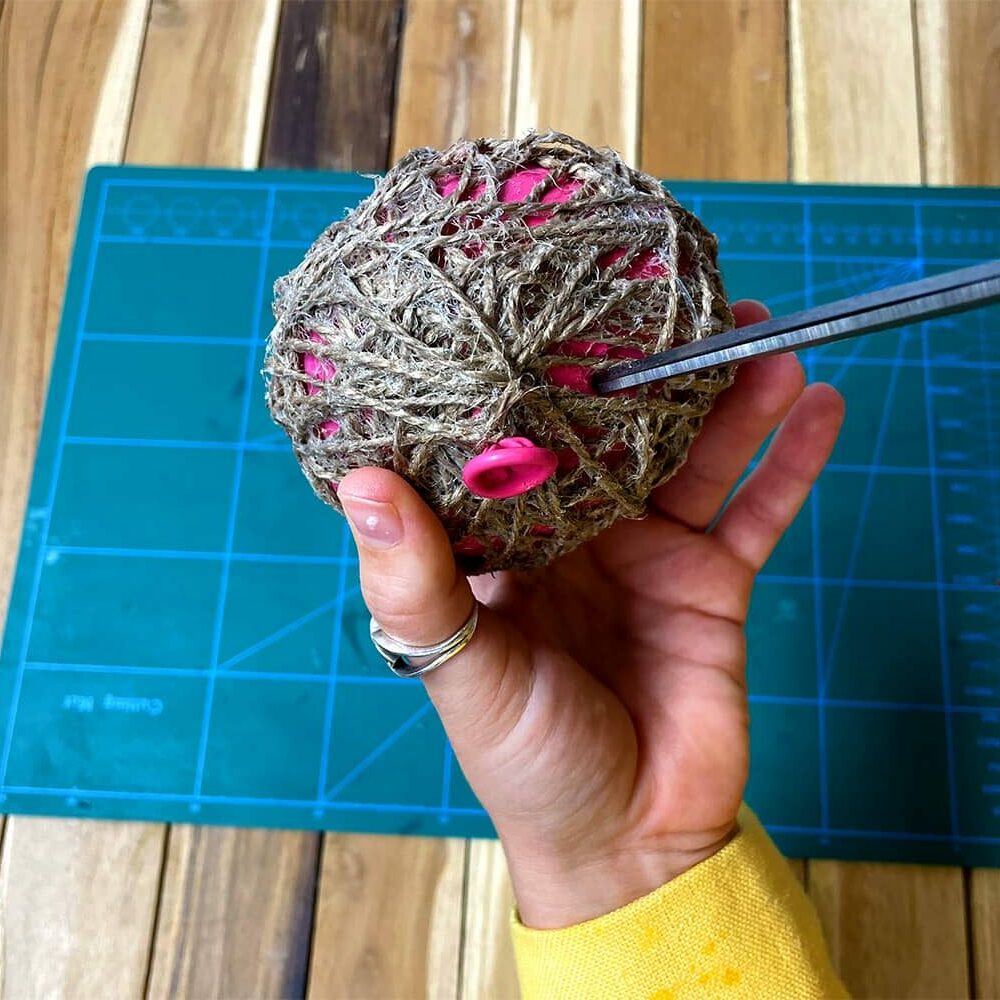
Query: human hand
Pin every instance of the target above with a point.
(600, 711)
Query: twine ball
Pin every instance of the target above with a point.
(449, 328)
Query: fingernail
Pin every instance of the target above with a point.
(376, 523)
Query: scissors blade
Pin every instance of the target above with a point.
(942, 294)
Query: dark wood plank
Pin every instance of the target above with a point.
(724, 124)
(388, 918)
(235, 914)
(334, 85)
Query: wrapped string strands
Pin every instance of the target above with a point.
(450, 326)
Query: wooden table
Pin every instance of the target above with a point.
(857, 90)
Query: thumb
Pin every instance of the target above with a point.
(415, 591)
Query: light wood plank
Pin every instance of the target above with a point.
(959, 47)
(77, 900)
(235, 914)
(893, 930)
(202, 93)
(388, 918)
(578, 70)
(727, 125)
(853, 92)
(455, 72)
(959, 51)
(334, 85)
(66, 71)
(488, 970)
(984, 913)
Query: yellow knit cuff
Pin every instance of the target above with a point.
(736, 925)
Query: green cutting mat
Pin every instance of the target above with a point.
(178, 649)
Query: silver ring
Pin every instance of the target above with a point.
(405, 660)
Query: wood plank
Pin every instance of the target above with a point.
(334, 84)
(202, 91)
(67, 76)
(388, 918)
(958, 45)
(488, 969)
(456, 79)
(959, 48)
(236, 905)
(455, 73)
(235, 914)
(853, 92)
(77, 901)
(984, 914)
(388, 910)
(578, 70)
(893, 930)
(66, 71)
(726, 125)
(716, 126)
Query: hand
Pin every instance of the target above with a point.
(600, 712)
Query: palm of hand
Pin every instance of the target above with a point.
(653, 612)
(635, 729)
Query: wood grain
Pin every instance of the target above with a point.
(235, 914)
(853, 92)
(236, 905)
(893, 930)
(488, 970)
(959, 48)
(725, 125)
(984, 914)
(202, 91)
(388, 918)
(66, 73)
(578, 70)
(77, 901)
(959, 54)
(455, 72)
(334, 85)
(377, 933)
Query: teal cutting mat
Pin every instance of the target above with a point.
(177, 648)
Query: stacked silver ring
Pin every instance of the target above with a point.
(405, 660)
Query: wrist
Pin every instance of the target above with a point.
(560, 891)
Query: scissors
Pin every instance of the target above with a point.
(942, 294)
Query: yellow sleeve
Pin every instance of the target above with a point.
(736, 925)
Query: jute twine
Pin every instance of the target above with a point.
(433, 316)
